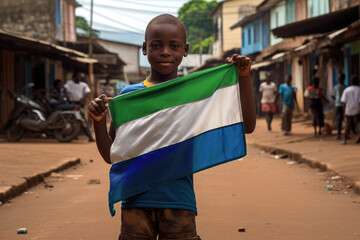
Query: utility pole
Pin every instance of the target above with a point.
(91, 67)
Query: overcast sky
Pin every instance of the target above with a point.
(131, 15)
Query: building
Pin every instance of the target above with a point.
(224, 15)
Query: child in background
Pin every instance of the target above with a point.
(288, 95)
(268, 92)
(315, 94)
(167, 211)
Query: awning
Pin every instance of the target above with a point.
(16, 42)
(260, 65)
(321, 24)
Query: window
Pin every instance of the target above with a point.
(249, 36)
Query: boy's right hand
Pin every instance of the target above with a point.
(98, 107)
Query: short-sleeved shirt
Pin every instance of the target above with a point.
(268, 92)
(76, 91)
(288, 94)
(337, 93)
(178, 194)
(351, 98)
(313, 92)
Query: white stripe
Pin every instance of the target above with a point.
(176, 124)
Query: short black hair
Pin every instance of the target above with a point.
(342, 76)
(354, 80)
(165, 19)
(315, 81)
(57, 81)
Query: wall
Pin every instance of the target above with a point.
(128, 53)
(317, 7)
(277, 19)
(301, 10)
(217, 23)
(252, 38)
(230, 15)
(35, 18)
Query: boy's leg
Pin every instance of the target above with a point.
(347, 128)
(283, 118)
(138, 224)
(339, 118)
(176, 224)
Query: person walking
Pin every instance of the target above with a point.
(288, 99)
(339, 106)
(351, 99)
(315, 94)
(268, 91)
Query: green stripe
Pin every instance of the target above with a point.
(186, 89)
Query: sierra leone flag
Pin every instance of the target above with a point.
(174, 129)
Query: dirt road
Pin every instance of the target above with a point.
(270, 198)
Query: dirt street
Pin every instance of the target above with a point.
(271, 198)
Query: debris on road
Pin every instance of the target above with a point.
(49, 186)
(56, 175)
(75, 177)
(335, 177)
(241, 230)
(291, 162)
(22, 231)
(329, 187)
(91, 160)
(94, 181)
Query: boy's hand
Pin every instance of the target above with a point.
(98, 107)
(243, 62)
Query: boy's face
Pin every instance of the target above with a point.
(165, 47)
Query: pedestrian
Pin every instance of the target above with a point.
(77, 91)
(339, 106)
(107, 88)
(268, 92)
(315, 94)
(288, 99)
(351, 99)
(167, 211)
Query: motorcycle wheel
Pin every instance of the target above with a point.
(15, 132)
(70, 130)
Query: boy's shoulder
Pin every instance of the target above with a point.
(132, 88)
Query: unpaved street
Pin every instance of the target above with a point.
(271, 198)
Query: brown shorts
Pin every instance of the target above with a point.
(151, 223)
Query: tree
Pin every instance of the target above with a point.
(199, 25)
(83, 24)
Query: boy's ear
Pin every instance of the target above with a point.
(186, 52)
(144, 50)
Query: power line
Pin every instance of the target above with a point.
(111, 19)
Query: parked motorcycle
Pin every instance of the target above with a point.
(62, 123)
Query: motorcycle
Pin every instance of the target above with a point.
(61, 123)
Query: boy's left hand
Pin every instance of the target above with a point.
(243, 62)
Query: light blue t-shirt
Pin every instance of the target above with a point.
(287, 94)
(178, 194)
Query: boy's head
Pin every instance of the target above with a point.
(288, 79)
(316, 82)
(355, 80)
(58, 83)
(341, 78)
(268, 77)
(165, 45)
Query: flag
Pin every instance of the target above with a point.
(174, 129)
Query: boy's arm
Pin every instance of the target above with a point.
(104, 139)
(246, 96)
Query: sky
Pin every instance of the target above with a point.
(130, 15)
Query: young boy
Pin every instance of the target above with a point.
(288, 95)
(167, 211)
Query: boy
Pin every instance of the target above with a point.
(339, 106)
(288, 95)
(268, 93)
(167, 211)
(351, 99)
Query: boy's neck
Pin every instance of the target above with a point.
(156, 78)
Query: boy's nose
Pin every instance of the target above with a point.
(166, 50)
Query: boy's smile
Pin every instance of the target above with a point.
(165, 47)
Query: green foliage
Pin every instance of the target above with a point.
(83, 24)
(199, 25)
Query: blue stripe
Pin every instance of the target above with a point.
(204, 151)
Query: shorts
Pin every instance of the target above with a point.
(268, 107)
(150, 223)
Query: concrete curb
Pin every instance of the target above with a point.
(8, 193)
(314, 164)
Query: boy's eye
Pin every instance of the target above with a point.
(155, 45)
(175, 46)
